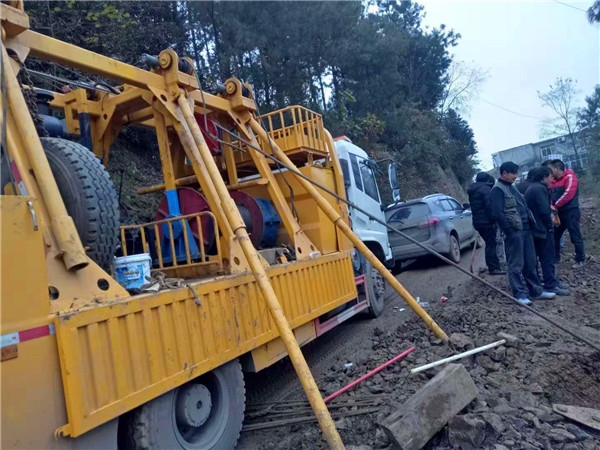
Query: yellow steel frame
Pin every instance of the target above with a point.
(207, 264)
(166, 99)
(112, 355)
(120, 356)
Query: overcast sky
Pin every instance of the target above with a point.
(524, 45)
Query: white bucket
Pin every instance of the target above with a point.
(131, 271)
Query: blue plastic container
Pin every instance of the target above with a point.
(131, 271)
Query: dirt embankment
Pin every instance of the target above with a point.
(590, 220)
(517, 385)
(134, 163)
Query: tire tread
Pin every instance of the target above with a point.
(100, 230)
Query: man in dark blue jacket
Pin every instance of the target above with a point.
(479, 199)
(524, 185)
(538, 201)
(510, 212)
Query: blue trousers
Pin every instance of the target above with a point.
(521, 261)
(544, 248)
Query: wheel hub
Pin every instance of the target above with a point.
(193, 405)
(455, 247)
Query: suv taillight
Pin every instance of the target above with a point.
(429, 223)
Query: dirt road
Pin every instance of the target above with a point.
(517, 384)
(351, 341)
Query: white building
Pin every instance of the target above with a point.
(531, 155)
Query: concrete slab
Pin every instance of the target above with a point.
(430, 408)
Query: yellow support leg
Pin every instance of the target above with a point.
(202, 155)
(63, 228)
(339, 222)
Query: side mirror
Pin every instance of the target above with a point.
(466, 205)
(371, 164)
(393, 179)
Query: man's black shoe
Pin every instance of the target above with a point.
(497, 272)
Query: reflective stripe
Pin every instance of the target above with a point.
(26, 335)
(9, 339)
(566, 192)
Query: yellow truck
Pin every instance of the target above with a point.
(247, 258)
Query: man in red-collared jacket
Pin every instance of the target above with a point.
(564, 194)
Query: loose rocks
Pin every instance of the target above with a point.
(467, 432)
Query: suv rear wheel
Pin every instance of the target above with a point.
(454, 246)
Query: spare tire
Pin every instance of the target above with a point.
(89, 196)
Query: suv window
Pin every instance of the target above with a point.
(446, 206)
(356, 171)
(454, 204)
(369, 182)
(409, 212)
(439, 205)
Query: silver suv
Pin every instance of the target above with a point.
(437, 221)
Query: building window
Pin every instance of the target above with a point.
(547, 149)
(571, 161)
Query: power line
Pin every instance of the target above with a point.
(570, 6)
(508, 110)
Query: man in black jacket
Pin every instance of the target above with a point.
(538, 200)
(479, 198)
(524, 185)
(510, 212)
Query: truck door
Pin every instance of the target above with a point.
(366, 195)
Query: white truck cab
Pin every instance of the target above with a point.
(361, 189)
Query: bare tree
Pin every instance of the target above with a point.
(561, 98)
(463, 84)
(593, 12)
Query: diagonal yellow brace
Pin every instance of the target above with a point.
(201, 154)
(63, 227)
(339, 222)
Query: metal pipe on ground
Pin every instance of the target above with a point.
(333, 215)
(201, 155)
(369, 374)
(279, 423)
(459, 356)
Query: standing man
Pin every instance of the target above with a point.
(564, 193)
(524, 185)
(512, 215)
(479, 198)
(538, 201)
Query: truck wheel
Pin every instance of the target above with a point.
(376, 289)
(206, 413)
(89, 196)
